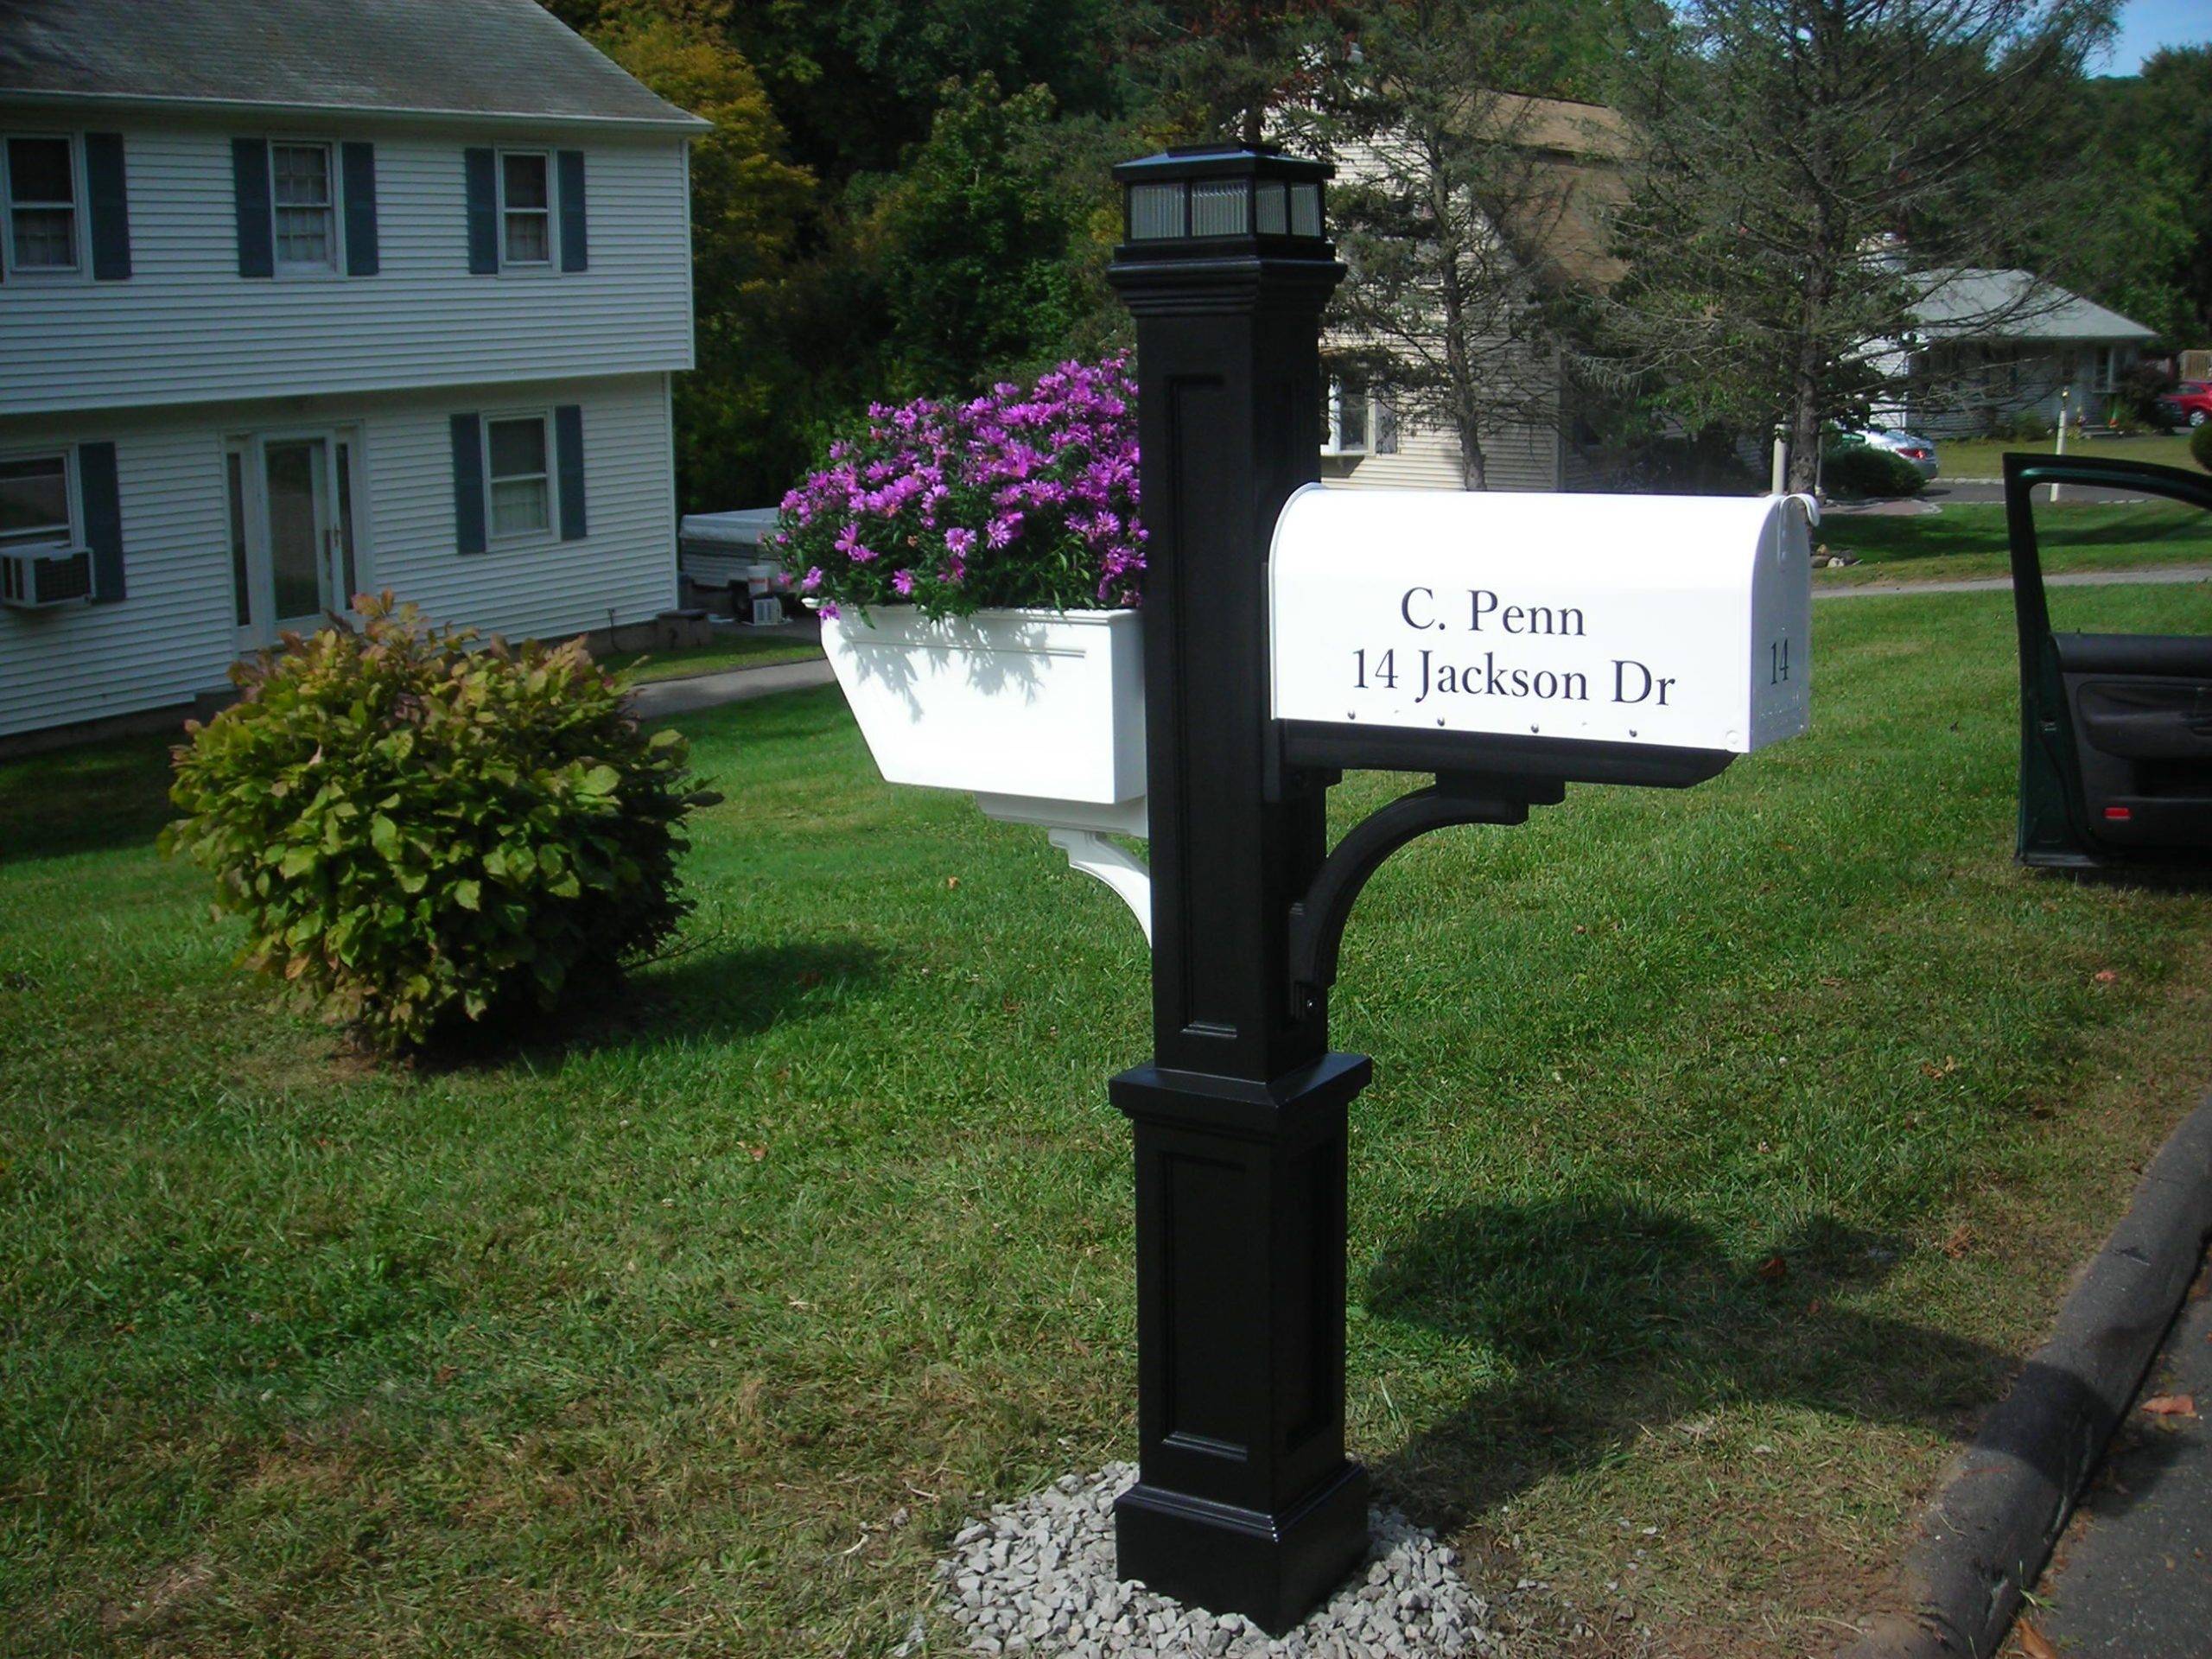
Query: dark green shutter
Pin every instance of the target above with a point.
(250, 184)
(110, 206)
(482, 171)
(102, 499)
(575, 255)
(569, 452)
(468, 484)
(358, 164)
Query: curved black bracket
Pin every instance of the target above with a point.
(1317, 921)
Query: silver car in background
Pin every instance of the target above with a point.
(1920, 451)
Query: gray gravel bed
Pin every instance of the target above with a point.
(1036, 1576)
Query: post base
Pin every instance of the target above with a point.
(1274, 1569)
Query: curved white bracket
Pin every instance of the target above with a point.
(1079, 829)
(1094, 854)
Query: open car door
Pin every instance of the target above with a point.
(2115, 728)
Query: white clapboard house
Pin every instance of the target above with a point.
(304, 298)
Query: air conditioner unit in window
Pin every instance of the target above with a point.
(40, 581)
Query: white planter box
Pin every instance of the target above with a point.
(1039, 707)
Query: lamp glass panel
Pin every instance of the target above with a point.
(1305, 210)
(1155, 212)
(1272, 207)
(1221, 207)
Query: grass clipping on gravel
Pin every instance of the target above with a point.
(1726, 1149)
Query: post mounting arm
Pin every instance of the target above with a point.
(1317, 921)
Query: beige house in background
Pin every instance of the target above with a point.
(1993, 344)
(1576, 178)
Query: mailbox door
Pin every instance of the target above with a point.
(2116, 729)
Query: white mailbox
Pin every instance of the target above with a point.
(1672, 621)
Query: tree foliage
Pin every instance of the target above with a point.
(1451, 195)
(2138, 233)
(978, 242)
(913, 197)
(750, 207)
(1224, 68)
(1785, 145)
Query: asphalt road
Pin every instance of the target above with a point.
(2134, 1580)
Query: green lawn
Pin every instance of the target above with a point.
(1968, 541)
(1984, 457)
(728, 650)
(1727, 1149)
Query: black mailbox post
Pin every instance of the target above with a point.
(1245, 1501)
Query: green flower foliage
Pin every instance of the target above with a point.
(420, 835)
(2199, 446)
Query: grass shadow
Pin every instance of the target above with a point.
(90, 798)
(706, 995)
(2166, 880)
(1611, 1319)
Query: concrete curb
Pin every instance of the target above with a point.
(2006, 1499)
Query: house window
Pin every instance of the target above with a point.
(307, 223)
(525, 208)
(35, 502)
(40, 179)
(521, 488)
(1347, 420)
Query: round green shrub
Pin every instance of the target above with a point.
(2199, 446)
(421, 834)
(1861, 469)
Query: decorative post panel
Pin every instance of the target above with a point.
(1508, 644)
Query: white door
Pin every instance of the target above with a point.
(292, 530)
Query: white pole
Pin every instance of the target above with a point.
(2065, 397)
(1779, 481)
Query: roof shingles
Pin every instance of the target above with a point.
(489, 58)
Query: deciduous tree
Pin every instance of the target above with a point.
(750, 207)
(1452, 199)
(1806, 164)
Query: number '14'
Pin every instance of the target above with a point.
(1778, 654)
(1386, 669)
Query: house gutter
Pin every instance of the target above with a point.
(677, 121)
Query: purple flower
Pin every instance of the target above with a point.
(1043, 477)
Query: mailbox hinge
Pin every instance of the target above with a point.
(1317, 921)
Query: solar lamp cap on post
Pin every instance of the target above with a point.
(1191, 201)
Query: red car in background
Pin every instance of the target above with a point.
(2189, 404)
